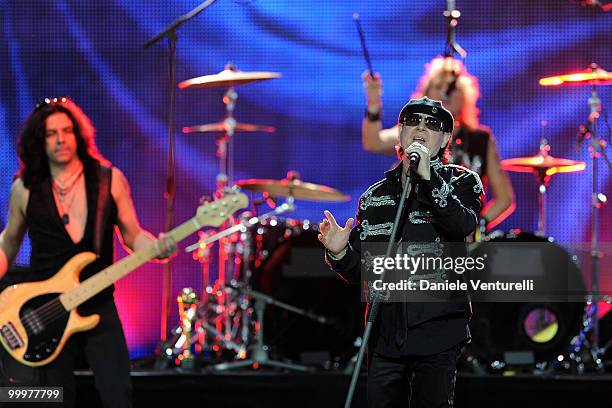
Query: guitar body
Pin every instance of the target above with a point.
(34, 324)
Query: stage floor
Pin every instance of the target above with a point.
(267, 389)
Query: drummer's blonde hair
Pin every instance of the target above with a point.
(466, 83)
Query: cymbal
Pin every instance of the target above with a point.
(590, 76)
(295, 188)
(227, 78)
(549, 164)
(224, 127)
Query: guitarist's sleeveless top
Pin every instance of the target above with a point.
(51, 244)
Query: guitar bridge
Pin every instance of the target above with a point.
(11, 337)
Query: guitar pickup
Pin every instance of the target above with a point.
(11, 337)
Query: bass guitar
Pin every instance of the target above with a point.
(38, 318)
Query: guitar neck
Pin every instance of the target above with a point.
(106, 277)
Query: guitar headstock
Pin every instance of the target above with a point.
(214, 213)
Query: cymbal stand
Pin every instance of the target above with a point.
(220, 292)
(544, 182)
(586, 343)
(225, 143)
(227, 245)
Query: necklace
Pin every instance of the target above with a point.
(63, 188)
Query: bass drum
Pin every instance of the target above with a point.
(288, 264)
(542, 328)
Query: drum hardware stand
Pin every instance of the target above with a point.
(544, 182)
(259, 355)
(586, 343)
(242, 301)
(182, 342)
(202, 254)
(225, 143)
(229, 344)
(224, 179)
(375, 305)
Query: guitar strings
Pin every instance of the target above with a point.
(47, 314)
(53, 309)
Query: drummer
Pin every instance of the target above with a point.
(472, 146)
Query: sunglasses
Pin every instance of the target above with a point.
(431, 123)
(48, 101)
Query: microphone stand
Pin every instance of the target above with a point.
(375, 305)
(170, 192)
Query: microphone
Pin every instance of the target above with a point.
(414, 160)
(413, 157)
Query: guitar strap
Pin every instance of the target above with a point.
(101, 208)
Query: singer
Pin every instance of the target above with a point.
(472, 145)
(414, 346)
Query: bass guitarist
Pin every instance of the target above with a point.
(69, 200)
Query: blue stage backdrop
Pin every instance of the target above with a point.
(93, 52)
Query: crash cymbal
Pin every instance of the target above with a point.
(224, 127)
(295, 188)
(227, 78)
(549, 164)
(591, 76)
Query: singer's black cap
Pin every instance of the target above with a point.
(430, 107)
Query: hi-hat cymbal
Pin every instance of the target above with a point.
(224, 127)
(591, 76)
(546, 163)
(295, 188)
(227, 78)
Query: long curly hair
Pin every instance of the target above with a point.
(33, 161)
(466, 83)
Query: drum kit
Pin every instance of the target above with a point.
(560, 335)
(258, 254)
(223, 327)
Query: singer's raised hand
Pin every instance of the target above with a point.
(334, 237)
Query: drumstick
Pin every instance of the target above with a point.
(366, 54)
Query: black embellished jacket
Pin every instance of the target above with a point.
(442, 209)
